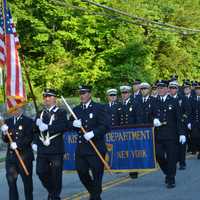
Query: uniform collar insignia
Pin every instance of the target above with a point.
(51, 108)
(55, 109)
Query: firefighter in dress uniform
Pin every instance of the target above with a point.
(51, 122)
(113, 107)
(185, 113)
(145, 108)
(94, 119)
(20, 129)
(154, 90)
(128, 113)
(136, 90)
(168, 132)
(187, 93)
(194, 124)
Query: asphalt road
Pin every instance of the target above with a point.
(149, 186)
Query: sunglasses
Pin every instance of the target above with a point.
(125, 92)
(112, 95)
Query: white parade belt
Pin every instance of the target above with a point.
(46, 140)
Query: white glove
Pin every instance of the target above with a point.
(38, 122)
(43, 127)
(4, 129)
(34, 147)
(46, 142)
(189, 126)
(77, 123)
(88, 135)
(182, 139)
(156, 122)
(13, 145)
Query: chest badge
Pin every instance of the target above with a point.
(20, 127)
(130, 109)
(91, 115)
(170, 107)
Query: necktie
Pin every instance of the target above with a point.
(84, 106)
(46, 111)
(16, 119)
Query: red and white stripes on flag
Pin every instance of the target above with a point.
(14, 81)
(14, 30)
(15, 90)
(2, 41)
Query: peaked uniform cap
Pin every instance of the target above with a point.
(111, 91)
(197, 85)
(145, 85)
(85, 88)
(162, 83)
(194, 83)
(125, 88)
(173, 84)
(186, 83)
(136, 81)
(50, 92)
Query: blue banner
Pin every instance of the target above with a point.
(129, 149)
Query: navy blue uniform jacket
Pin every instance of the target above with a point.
(95, 119)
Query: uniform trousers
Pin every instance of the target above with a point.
(49, 169)
(92, 181)
(166, 155)
(13, 169)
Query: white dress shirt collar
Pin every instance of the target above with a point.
(87, 104)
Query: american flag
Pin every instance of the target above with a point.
(14, 30)
(15, 90)
(2, 42)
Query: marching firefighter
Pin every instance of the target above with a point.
(194, 124)
(93, 118)
(128, 112)
(168, 132)
(51, 123)
(20, 128)
(185, 112)
(145, 108)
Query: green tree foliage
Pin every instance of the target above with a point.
(69, 42)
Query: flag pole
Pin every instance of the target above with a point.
(90, 141)
(3, 85)
(16, 151)
(26, 69)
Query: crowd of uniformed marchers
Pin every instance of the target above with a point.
(172, 109)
